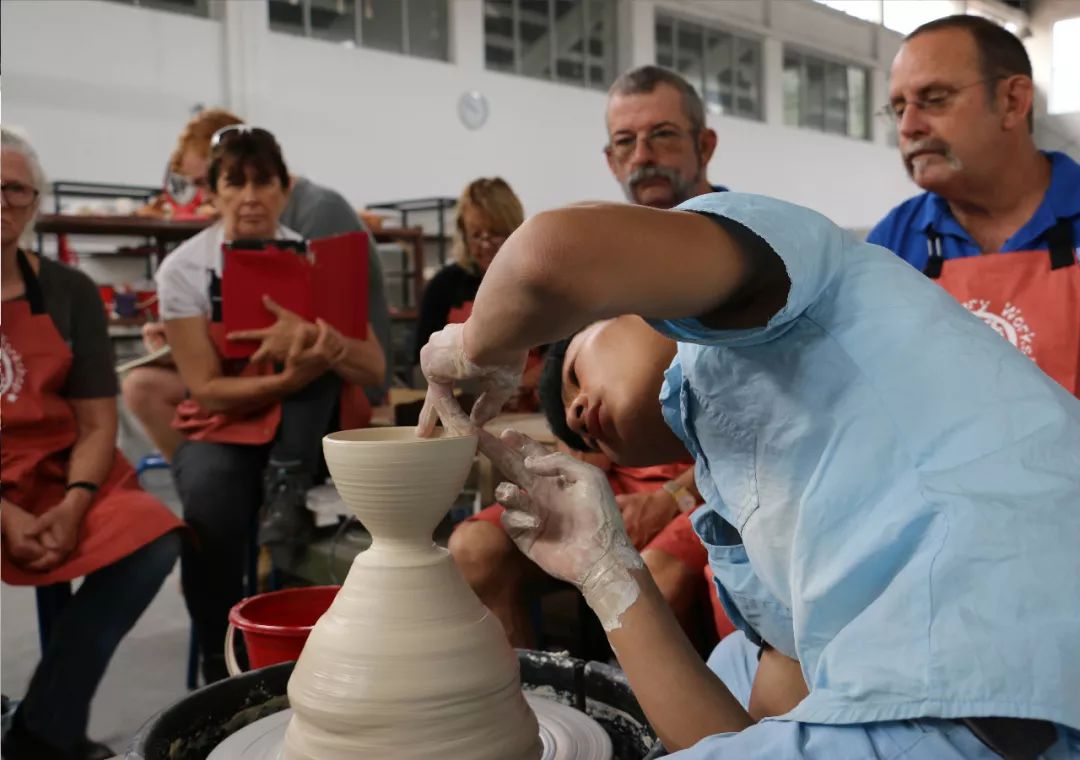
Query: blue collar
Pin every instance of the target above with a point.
(1061, 201)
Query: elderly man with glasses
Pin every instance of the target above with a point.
(961, 97)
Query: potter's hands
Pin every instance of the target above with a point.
(444, 361)
(562, 514)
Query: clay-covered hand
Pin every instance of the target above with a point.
(562, 514)
(444, 362)
(278, 339)
(646, 513)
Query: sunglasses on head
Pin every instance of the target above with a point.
(233, 131)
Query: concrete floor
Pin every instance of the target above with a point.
(148, 670)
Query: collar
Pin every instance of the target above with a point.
(1061, 201)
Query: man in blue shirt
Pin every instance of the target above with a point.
(961, 94)
(891, 491)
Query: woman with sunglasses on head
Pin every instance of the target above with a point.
(244, 419)
(152, 392)
(71, 505)
(487, 212)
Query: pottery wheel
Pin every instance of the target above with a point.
(565, 733)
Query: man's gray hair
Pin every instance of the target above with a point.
(645, 79)
(14, 139)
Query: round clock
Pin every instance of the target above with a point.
(472, 109)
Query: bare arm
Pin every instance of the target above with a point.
(199, 365)
(364, 363)
(94, 449)
(683, 699)
(566, 268)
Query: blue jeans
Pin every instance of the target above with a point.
(735, 661)
(84, 636)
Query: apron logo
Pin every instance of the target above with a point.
(12, 370)
(1009, 324)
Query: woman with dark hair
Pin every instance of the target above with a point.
(247, 418)
(71, 507)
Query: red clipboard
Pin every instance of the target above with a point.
(325, 278)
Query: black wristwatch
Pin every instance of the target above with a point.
(86, 485)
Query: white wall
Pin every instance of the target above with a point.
(1053, 131)
(102, 89)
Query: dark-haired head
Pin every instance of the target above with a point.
(239, 151)
(599, 391)
(1001, 53)
(550, 391)
(249, 181)
(961, 95)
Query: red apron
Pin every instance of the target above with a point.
(1030, 298)
(39, 429)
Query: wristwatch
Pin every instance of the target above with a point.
(684, 500)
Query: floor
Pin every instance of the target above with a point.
(148, 671)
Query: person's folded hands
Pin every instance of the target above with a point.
(280, 338)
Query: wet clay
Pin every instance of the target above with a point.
(406, 663)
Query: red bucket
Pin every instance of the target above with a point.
(276, 625)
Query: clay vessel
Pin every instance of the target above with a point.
(406, 663)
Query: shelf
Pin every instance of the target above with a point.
(165, 230)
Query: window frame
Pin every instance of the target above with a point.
(829, 62)
(200, 9)
(305, 31)
(737, 36)
(607, 62)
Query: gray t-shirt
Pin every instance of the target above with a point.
(317, 212)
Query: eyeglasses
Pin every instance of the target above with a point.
(933, 102)
(18, 195)
(235, 130)
(662, 139)
(486, 238)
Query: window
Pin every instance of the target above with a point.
(724, 67)
(192, 7)
(1065, 66)
(414, 27)
(827, 95)
(571, 41)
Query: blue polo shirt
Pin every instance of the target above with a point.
(904, 230)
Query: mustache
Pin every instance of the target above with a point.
(929, 145)
(651, 172)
